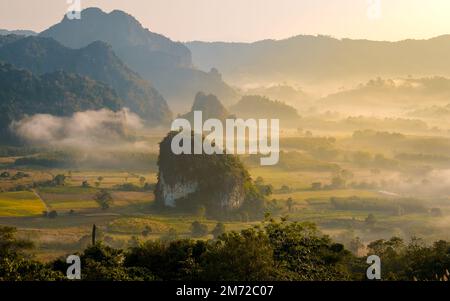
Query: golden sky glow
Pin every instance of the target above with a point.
(251, 20)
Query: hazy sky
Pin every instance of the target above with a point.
(250, 20)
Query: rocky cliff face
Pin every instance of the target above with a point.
(170, 193)
(220, 183)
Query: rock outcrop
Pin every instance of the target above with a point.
(220, 183)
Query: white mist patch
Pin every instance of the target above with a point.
(435, 183)
(81, 130)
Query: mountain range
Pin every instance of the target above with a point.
(96, 61)
(58, 93)
(130, 66)
(389, 97)
(4, 32)
(167, 64)
(320, 58)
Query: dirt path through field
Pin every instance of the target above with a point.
(47, 207)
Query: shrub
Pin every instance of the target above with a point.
(198, 229)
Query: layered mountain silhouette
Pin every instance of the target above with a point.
(209, 105)
(7, 39)
(260, 107)
(17, 32)
(324, 58)
(386, 96)
(97, 61)
(58, 93)
(167, 64)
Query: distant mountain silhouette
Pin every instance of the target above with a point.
(4, 32)
(58, 93)
(255, 106)
(166, 63)
(209, 105)
(324, 58)
(288, 94)
(97, 61)
(386, 96)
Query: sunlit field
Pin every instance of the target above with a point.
(288, 153)
(20, 204)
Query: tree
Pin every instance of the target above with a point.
(259, 181)
(9, 244)
(347, 174)
(436, 212)
(338, 182)
(218, 230)
(103, 263)
(244, 256)
(94, 234)
(59, 180)
(103, 198)
(15, 265)
(305, 254)
(285, 189)
(142, 181)
(52, 214)
(370, 220)
(99, 181)
(171, 235)
(290, 203)
(147, 231)
(201, 212)
(316, 186)
(198, 229)
(355, 245)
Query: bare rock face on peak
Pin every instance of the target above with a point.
(167, 64)
(219, 183)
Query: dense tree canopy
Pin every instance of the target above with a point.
(280, 251)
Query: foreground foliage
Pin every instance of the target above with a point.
(281, 251)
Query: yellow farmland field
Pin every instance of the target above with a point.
(22, 203)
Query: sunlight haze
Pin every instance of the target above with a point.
(252, 20)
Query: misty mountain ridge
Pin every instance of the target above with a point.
(59, 93)
(260, 107)
(323, 58)
(209, 105)
(97, 61)
(10, 38)
(389, 96)
(289, 94)
(165, 63)
(5, 32)
(432, 112)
